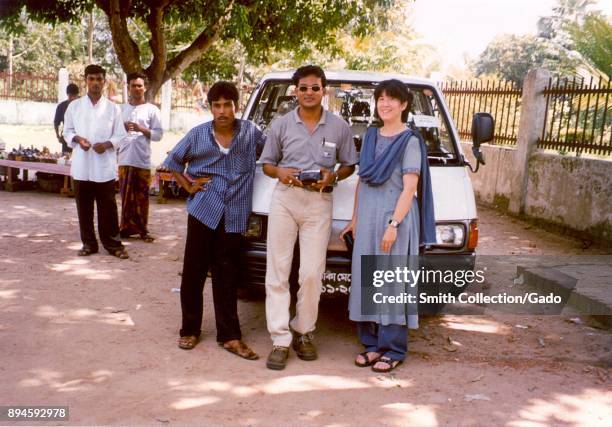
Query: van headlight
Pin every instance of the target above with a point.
(450, 235)
(254, 228)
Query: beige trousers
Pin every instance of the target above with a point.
(295, 212)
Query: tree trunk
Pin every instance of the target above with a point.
(241, 77)
(155, 85)
(161, 68)
(90, 31)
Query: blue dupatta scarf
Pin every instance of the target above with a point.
(376, 172)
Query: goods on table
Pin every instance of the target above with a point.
(33, 155)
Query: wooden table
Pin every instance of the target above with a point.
(54, 168)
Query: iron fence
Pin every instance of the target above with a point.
(29, 87)
(577, 117)
(184, 96)
(500, 98)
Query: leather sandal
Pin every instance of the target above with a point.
(188, 342)
(368, 361)
(240, 349)
(86, 251)
(120, 253)
(391, 364)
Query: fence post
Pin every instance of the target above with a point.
(533, 112)
(166, 104)
(62, 82)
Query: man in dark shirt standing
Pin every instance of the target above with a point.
(72, 91)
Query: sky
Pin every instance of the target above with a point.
(459, 27)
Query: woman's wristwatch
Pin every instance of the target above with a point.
(394, 223)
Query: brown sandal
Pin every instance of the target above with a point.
(120, 253)
(368, 361)
(391, 364)
(86, 251)
(188, 342)
(240, 349)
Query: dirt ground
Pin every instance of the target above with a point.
(99, 334)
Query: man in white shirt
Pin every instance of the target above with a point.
(142, 121)
(93, 128)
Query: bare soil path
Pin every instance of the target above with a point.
(99, 334)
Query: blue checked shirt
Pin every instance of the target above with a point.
(229, 193)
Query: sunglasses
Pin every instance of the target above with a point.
(304, 88)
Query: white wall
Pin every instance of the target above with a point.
(27, 112)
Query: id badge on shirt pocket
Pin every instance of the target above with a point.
(328, 153)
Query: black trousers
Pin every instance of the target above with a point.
(218, 251)
(103, 194)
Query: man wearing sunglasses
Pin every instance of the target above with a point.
(302, 150)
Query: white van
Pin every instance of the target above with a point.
(350, 94)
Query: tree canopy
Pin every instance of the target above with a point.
(573, 40)
(392, 47)
(163, 37)
(510, 57)
(593, 39)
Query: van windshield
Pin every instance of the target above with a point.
(354, 102)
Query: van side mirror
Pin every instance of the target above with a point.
(483, 127)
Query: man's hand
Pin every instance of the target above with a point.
(132, 127)
(327, 179)
(101, 147)
(287, 176)
(198, 185)
(83, 143)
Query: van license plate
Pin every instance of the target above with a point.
(336, 283)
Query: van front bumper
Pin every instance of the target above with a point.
(337, 276)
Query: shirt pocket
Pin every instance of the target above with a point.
(243, 162)
(327, 155)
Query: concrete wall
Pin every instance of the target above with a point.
(27, 113)
(576, 192)
(42, 113)
(573, 193)
(185, 120)
(495, 182)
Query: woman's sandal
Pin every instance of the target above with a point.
(188, 342)
(368, 361)
(240, 349)
(391, 364)
(120, 253)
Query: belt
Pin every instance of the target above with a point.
(327, 189)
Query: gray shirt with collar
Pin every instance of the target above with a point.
(289, 144)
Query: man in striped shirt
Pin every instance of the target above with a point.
(221, 158)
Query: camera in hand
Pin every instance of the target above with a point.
(309, 176)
